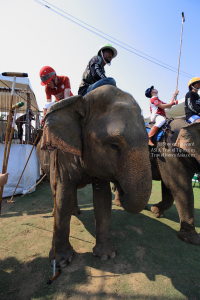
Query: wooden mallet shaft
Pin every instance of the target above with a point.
(55, 274)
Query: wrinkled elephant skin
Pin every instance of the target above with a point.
(174, 162)
(101, 139)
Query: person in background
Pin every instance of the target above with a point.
(94, 74)
(22, 120)
(157, 110)
(192, 101)
(3, 179)
(57, 86)
(11, 119)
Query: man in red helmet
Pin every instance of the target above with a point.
(58, 86)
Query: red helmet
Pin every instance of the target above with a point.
(46, 74)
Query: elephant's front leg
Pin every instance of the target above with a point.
(65, 199)
(102, 210)
(185, 207)
(167, 201)
(177, 185)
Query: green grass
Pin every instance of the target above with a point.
(151, 262)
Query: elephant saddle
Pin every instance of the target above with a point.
(164, 129)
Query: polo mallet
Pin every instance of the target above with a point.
(7, 151)
(55, 274)
(34, 185)
(179, 56)
(17, 105)
(11, 199)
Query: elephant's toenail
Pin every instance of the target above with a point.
(113, 255)
(63, 264)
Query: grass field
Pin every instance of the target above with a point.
(151, 263)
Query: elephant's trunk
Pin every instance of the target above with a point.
(135, 188)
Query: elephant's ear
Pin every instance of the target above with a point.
(62, 129)
(189, 140)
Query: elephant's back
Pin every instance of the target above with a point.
(175, 127)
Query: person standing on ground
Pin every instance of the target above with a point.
(22, 120)
(157, 110)
(192, 101)
(94, 74)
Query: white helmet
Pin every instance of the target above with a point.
(108, 46)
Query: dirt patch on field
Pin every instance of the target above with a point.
(135, 228)
(146, 265)
(140, 253)
(6, 206)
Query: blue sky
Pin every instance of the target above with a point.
(34, 36)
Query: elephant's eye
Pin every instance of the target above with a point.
(116, 149)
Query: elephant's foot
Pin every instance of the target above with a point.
(104, 251)
(117, 202)
(157, 212)
(63, 258)
(191, 237)
(76, 211)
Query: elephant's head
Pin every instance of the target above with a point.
(189, 140)
(107, 130)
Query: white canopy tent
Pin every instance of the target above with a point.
(18, 153)
(22, 86)
(17, 160)
(23, 93)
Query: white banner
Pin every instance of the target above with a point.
(17, 160)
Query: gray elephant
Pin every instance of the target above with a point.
(174, 160)
(101, 138)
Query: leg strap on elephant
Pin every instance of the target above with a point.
(96, 183)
